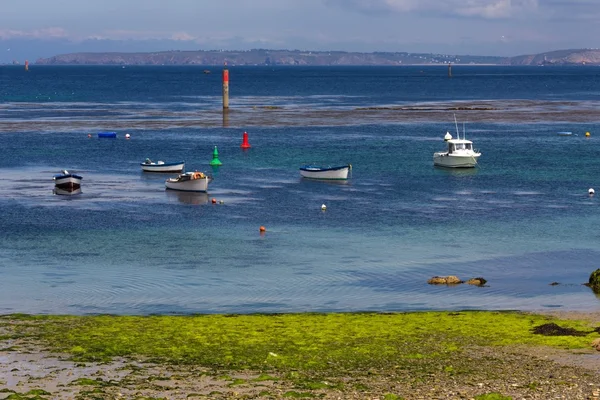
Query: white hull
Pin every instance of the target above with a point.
(329, 174)
(154, 167)
(443, 159)
(187, 183)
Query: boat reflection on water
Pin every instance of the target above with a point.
(340, 182)
(66, 192)
(196, 198)
(155, 177)
(456, 171)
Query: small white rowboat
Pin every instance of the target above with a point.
(328, 173)
(161, 166)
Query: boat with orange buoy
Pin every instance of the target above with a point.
(189, 182)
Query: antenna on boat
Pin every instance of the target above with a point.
(456, 124)
(464, 132)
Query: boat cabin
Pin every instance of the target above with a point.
(462, 145)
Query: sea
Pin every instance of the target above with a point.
(523, 219)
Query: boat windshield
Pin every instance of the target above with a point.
(463, 146)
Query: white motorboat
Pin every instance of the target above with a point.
(161, 166)
(325, 173)
(460, 153)
(189, 182)
(67, 180)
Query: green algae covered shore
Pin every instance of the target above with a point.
(419, 355)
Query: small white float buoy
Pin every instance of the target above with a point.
(323, 207)
(591, 191)
(127, 136)
(448, 136)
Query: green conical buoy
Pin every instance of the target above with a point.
(215, 161)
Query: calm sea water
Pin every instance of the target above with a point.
(522, 220)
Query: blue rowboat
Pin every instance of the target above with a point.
(111, 135)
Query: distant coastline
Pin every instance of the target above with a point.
(316, 58)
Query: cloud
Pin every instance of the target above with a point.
(128, 34)
(46, 33)
(489, 9)
(182, 36)
(570, 10)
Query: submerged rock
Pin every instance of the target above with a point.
(479, 281)
(444, 280)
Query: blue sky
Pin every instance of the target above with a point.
(478, 27)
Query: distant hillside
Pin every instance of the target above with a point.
(262, 57)
(558, 57)
(297, 57)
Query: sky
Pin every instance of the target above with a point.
(42, 28)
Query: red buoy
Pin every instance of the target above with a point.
(245, 144)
